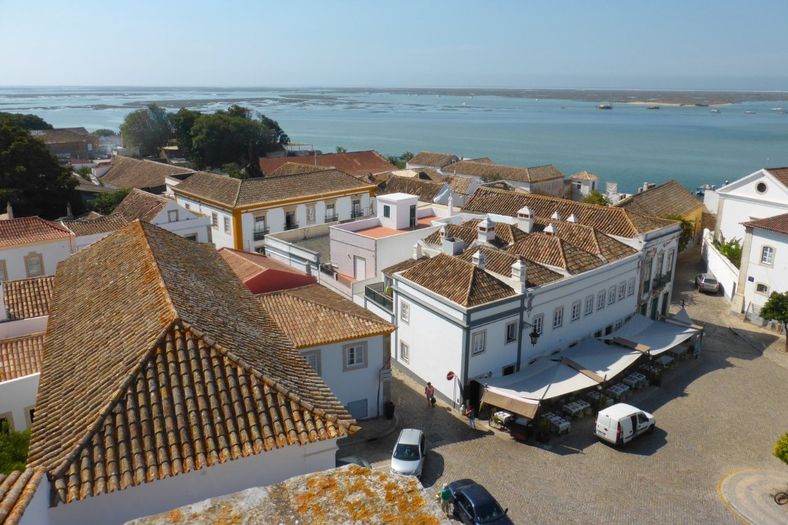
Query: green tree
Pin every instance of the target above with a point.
(274, 134)
(30, 177)
(400, 160)
(13, 450)
(597, 198)
(107, 202)
(182, 124)
(686, 230)
(776, 309)
(104, 132)
(730, 249)
(781, 449)
(25, 121)
(146, 129)
(341, 149)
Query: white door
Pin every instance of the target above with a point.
(361, 268)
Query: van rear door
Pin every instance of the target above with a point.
(643, 423)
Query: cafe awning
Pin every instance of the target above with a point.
(658, 336)
(606, 361)
(516, 405)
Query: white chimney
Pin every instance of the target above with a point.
(525, 219)
(416, 251)
(3, 311)
(572, 218)
(451, 203)
(550, 230)
(478, 260)
(9, 211)
(486, 230)
(556, 216)
(442, 232)
(519, 274)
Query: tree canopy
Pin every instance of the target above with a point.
(25, 121)
(686, 230)
(30, 177)
(104, 132)
(597, 198)
(106, 203)
(776, 309)
(146, 130)
(400, 160)
(182, 123)
(13, 449)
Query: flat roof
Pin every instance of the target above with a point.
(398, 197)
(381, 232)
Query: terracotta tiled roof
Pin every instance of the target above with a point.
(505, 234)
(584, 175)
(780, 174)
(21, 356)
(142, 205)
(93, 226)
(28, 298)
(314, 315)
(501, 262)
(248, 264)
(291, 168)
(163, 363)
(233, 192)
(16, 491)
(425, 189)
(62, 135)
(30, 230)
(588, 239)
(487, 169)
(554, 251)
(133, 173)
(670, 198)
(403, 265)
(608, 220)
(432, 159)
(778, 223)
(461, 185)
(458, 281)
(455, 231)
(356, 163)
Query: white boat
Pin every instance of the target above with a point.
(714, 110)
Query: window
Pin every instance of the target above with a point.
(511, 331)
(647, 275)
(172, 215)
(259, 228)
(310, 214)
(386, 210)
(313, 358)
(630, 286)
(478, 341)
(404, 311)
(538, 323)
(761, 288)
(622, 290)
(191, 237)
(30, 414)
(611, 295)
(600, 300)
(589, 305)
(761, 187)
(558, 317)
(187, 206)
(34, 264)
(404, 352)
(660, 262)
(3, 271)
(6, 423)
(354, 356)
(575, 310)
(214, 219)
(355, 208)
(507, 370)
(331, 214)
(227, 225)
(767, 255)
(669, 268)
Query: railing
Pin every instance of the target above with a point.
(359, 212)
(331, 217)
(291, 226)
(375, 293)
(259, 235)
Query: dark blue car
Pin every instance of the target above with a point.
(473, 505)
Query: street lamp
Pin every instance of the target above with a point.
(534, 335)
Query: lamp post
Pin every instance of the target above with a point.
(534, 335)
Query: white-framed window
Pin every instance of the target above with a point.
(767, 255)
(761, 288)
(34, 264)
(538, 323)
(313, 358)
(310, 214)
(558, 317)
(214, 219)
(600, 300)
(226, 224)
(622, 290)
(669, 265)
(660, 262)
(3, 270)
(589, 305)
(172, 215)
(404, 312)
(404, 352)
(630, 286)
(511, 331)
(611, 295)
(575, 310)
(354, 356)
(478, 342)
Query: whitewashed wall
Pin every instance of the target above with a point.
(188, 223)
(51, 252)
(17, 396)
(23, 327)
(725, 272)
(775, 276)
(219, 238)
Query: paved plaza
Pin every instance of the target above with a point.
(716, 416)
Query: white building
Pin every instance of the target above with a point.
(32, 247)
(165, 213)
(347, 345)
(757, 196)
(169, 395)
(243, 212)
(583, 184)
(546, 179)
(91, 229)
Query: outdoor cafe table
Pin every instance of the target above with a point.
(635, 380)
(664, 360)
(558, 423)
(573, 409)
(618, 390)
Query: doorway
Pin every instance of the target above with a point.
(412, 217)
(360, 268)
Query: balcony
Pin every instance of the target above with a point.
(291, 226)
(332, 217)
(359, 212)
(376, 293)
(259, 235)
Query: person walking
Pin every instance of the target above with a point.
(445, 497)
(471, 413)
(429, 391)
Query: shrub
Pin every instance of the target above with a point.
(781, 448)
(13, 450)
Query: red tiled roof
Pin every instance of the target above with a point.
(16, 491)
(26, 298)
(31, 230)
(670, 198)
(21, 356)
(262, 274)
(356, 163)
(778, 223)
(780, 174)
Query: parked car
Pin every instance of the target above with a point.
(707, 283)
(473, 505)
(353, 460)
(621, 423)
(409, 453)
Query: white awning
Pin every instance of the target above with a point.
(658, 336)
(546, 378)
(606, 361)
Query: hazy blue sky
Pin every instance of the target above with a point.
(722, 44)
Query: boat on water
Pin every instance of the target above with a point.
(749, 112)
(701, 190)
(778, 110)
(714, 110)
(605, 106)
(652, 107)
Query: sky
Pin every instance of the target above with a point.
(698, 44)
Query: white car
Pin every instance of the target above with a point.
(621, 423)
(409, 453)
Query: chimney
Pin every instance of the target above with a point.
(9, 211)
(478, 259)
(550, 230)
(69, 213)
(453, 246)
(451, 203)
(442, 232)
(416, 252)
(486, 230)
(572, 218)
(3, 311)
(519, 273)
(525, 219)
(556, 216)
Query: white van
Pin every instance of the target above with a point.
(620, 423)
